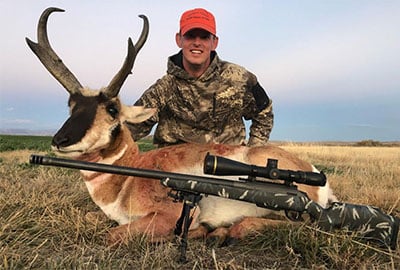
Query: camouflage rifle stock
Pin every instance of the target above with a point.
(370, 223)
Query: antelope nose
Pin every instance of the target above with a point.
(59, 141)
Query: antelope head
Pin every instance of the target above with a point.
(96, 117)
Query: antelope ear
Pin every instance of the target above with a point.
(137, 114)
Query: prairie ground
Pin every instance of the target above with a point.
(43, 223)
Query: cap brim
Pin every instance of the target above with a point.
(192, 26)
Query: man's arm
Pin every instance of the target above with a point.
(261, 126)
(154, 97)
(261, 115)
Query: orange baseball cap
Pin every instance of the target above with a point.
(197, 18)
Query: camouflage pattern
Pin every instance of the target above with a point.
(207, 109)
(369, 223)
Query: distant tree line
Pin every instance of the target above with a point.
(372, 143)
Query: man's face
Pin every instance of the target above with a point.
(196, 46)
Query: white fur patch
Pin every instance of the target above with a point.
(325, 193)
(113, 211)
(216, 211)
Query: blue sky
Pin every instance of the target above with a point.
(332, 68)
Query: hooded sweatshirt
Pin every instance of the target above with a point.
(208, 109)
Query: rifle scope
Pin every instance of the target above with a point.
(216, 165)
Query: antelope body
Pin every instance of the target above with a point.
(96, 131)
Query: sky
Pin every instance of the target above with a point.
(332, 67)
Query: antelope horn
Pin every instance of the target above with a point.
(49, 58)
(116, 83)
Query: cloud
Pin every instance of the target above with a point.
(17, 121)
(363, 126)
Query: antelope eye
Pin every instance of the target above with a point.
(112, 110)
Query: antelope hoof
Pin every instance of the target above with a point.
(214, 241)
(230, 241)
(217, 237)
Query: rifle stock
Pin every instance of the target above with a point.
(370, 223)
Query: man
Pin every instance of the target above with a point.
(203, 99)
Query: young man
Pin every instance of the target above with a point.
(203, 99)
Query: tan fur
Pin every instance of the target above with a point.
(142, 205)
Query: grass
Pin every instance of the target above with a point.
(11, 142)
(43, 223)
(42, 143)
(364, 175)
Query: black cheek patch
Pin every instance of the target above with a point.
(116, 131)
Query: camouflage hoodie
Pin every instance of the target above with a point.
(208, 109)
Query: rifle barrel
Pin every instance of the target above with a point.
(139, 172)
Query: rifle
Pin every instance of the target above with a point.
(370, 223)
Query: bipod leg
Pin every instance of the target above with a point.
(189, 202)
(179, 222)
(184, 236)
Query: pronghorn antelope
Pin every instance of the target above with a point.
(96, 131)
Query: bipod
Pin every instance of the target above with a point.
(190, 200)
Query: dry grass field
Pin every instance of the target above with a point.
(43, 223)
